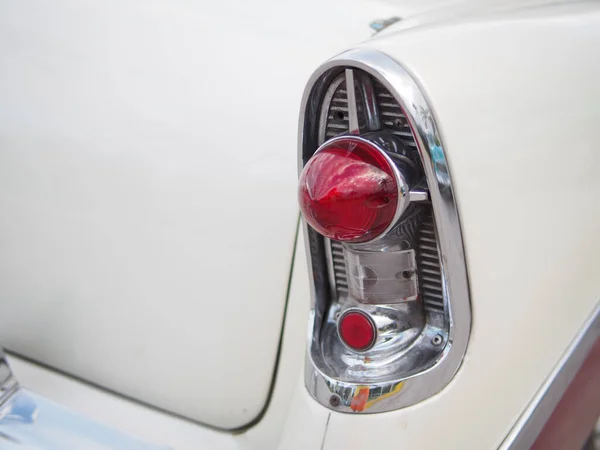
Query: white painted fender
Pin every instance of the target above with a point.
(515, 96)
(147, 189)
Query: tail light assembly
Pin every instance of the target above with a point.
(391, 314)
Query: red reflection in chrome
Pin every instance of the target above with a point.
(356, 330)
(348, 191)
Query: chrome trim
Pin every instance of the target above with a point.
(327, 100)
(30, 421)
(369, 100)
(418, 196)
(353, 127)
(330, 269)
(401, 85)
(539, 410)
(8, 382)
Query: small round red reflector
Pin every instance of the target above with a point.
(348, 191)
(356, 330)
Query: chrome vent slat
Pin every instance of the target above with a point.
(339, 267)
(429, 277)
(392, 113)
(431, 286)
(433, 295)
(434, 307)
(390, 108)
(336, 125)
(429, 258)
(387, 105)
(428, 261)
(427, 271)
(406, 134)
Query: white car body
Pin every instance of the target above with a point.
(148, 182)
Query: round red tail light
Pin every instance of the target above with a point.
(349, 190)
(356, 330)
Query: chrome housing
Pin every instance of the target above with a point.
(410, 364)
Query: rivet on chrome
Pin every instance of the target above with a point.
(335, 400)
(437, 340)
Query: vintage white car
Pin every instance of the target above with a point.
(157, 289)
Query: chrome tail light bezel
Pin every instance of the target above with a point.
(401, 392)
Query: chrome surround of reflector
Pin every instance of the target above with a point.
(397, 393)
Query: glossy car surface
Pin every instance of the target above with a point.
(153, 275)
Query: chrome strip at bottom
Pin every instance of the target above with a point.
(531, 422)
(30, 421)
(8, 383)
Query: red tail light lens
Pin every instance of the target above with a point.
(348, 191)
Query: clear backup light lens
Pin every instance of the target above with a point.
(381, 277)
(348, 191)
